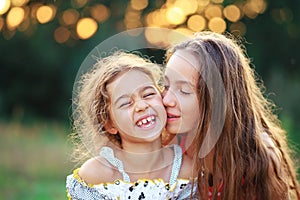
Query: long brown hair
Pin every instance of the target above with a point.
(251, 168)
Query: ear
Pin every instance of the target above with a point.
(109, 127)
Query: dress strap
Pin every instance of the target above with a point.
(176, 164)
(108, 154)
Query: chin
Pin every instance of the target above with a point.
(172, 130)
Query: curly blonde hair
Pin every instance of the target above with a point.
(91, 103)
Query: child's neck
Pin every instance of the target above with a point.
(144, 158)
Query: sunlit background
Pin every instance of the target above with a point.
(43, 43)
(82, 18)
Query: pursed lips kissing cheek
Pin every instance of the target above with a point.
(172, 117)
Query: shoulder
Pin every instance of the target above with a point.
(96, 170)
(187, 169)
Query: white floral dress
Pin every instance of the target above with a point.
(154, 189)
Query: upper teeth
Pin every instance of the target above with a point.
(146, 120)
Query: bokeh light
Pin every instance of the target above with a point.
(184, 31)
(217, 24)
(61, 34)
(70, 17)
(238, 28)
(203, 3)
(175, 15)
(232, 13)
(19, 2)
(100, 12)
(154, 37)
(4, 6)
(78, 3)
(15, 17)
(1, 23)
(187, 8)
(186, 16)
(139, 4)
(45, 14)
(213, 11)
(217, 1)
(178, 35)
(86, 28)
(24, 25)
(196, 23)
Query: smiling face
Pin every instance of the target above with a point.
(180, 94)
(136, 107)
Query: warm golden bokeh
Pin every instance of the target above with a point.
(213, 11)
(182, 15)
(15, 17)
(175, 15)
(61, 34)
(155, 37)
(4, 6)
(1, 23)
(203, 3)
(217, 24)
(196, 23)
(187, 8)
(24, 25)
(19, 2)
(232, 13)
(178, 35)
(69, 17)
(100, 12)
(79, 3)
(139, 4)
(45, 14)
(217, 1)
(86, 28)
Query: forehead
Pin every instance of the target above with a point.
(128, 83)
(183, 66)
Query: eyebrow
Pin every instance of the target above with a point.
(139, 91)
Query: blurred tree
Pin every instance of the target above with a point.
(41, 53)
(274, 45)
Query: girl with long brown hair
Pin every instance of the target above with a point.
(215, 103)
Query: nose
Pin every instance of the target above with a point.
(169, 99)
(141, 105)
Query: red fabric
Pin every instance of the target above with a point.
(210, 191)
(182, 143)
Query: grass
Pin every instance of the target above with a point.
(33, 161)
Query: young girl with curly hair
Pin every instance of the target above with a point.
(118, 121)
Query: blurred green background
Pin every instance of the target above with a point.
(40, 60)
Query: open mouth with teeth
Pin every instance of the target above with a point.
(146, 122)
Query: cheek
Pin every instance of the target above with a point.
(159, 106)
(120, 115)
(190, 107)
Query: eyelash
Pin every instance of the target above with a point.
(125, 104)
(183, 92)
(144, 96)
(166, 87)
(149, 94)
